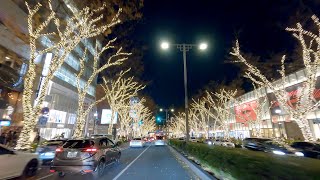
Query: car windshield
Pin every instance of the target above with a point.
(76, 144)
(261, 140)
(159, 137)
(52, 143)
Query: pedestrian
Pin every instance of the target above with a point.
(9, 139)
(14, 138)
(3, 139)
(62, 136)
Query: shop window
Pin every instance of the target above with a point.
(301, 75)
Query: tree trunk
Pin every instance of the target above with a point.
(80, 125)
(30, 120)
(304, 126)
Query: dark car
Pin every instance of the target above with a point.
(85, 156)
(309, 149)
(46, 151)
(280, 149)
(255, 143)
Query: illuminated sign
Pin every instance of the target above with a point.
(107, 115)
(5, 123)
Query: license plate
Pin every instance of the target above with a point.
(72, 154)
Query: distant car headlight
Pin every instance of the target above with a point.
(279, 152)
(299, 154)
(209, 142)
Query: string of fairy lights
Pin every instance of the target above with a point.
(311, 61)
(82, 25)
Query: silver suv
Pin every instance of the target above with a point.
(85, 156)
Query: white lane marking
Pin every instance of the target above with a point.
(129, 165)
(45, 176)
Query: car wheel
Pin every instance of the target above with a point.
(118, 158)
(61, 174)
(31, 168)
(99, 170)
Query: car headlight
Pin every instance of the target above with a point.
(278, 152)
(210, 143)
(224, 144)
(299, 154)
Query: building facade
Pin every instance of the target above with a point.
(60, 106)
(272, 119)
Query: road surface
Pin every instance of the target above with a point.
(150, 162)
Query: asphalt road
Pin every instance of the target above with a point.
(150, 162)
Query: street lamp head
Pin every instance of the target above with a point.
(161, 109)
(165, 45)
(172, 110)
(203, 46)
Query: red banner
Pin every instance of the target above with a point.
(245, 112)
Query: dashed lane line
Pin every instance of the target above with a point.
(44, 177)
(130, 164)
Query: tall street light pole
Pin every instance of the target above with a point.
(167, 110)
(184, 48)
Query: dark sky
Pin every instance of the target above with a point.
(259, 24)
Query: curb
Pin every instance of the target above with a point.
(193, 167)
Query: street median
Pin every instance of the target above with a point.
(237, 163)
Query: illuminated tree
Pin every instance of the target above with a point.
(148, 125)
(222, 113)
(141, 114)
(306, 103)
(202, 114)
(83, 88)
(125, 118)
(178, 127)
(118, 91)
(63, 37)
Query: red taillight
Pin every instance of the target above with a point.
(52, 170)
(91, 150)
(58, 150)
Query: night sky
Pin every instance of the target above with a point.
(259, 25)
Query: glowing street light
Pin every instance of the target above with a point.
(161, 109)
(172, 110)
(203, 46)
(165, 45)
(184, 48)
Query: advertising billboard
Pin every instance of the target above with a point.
(107, 115)
(245, 112)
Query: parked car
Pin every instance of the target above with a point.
(137, 142)
(223, 142)
(46, 151)
(255, 143)
(17, 164)
(88, 155)
(159, 141)
(193, 139)
(208, 141)
(309, 149)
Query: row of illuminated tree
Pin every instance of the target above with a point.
(217, 105)
(65, 34)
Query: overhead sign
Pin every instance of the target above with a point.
(107, 115)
